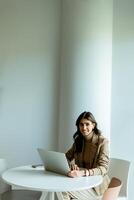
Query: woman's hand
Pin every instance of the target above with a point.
(75, 173)
(74, 167)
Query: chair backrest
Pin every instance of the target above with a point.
(3, 186)
(113, 189)
(120, 168)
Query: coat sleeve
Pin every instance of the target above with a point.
(102, 162)
(70, 153)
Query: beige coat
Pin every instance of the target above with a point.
(94, 157)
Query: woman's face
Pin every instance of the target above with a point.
(86, 127)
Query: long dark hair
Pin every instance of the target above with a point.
(78, 137)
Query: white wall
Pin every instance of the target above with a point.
(122, 119)
(29, 80)
(29, 65)
(86, 61)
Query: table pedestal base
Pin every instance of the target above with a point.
(51, 196)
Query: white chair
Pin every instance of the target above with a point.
(113, 189)
(120, 168)
(6, 193)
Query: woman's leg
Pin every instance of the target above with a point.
(80, 195)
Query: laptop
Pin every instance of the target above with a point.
(54, 161)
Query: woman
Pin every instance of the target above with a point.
(88, 156)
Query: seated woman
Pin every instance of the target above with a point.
(88, 156)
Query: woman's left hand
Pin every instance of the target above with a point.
(75, 173)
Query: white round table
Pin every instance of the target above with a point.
(40, 180)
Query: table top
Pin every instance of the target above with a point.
(41, 180)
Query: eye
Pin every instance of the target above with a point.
(87, 124)
(81, 124)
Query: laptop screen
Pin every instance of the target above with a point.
(54, 161)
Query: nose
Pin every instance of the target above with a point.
(84, 127)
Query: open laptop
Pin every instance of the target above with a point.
(54, 161)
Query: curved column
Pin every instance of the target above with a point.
(86, 59)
